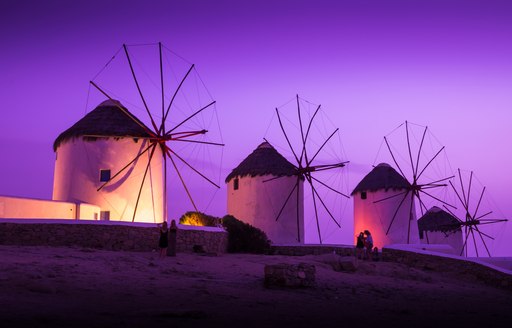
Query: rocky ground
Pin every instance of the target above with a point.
(76, 287)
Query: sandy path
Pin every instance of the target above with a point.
(74, 287)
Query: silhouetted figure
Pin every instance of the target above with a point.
(173, 230)
(368, 244)
(163, 241)
(360, 246)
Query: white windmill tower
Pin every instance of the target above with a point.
(94, 149)
(438, 227)
(118, 158)
(259, 186)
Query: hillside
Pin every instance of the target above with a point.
(75, 287)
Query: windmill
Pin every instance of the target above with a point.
(472, 219)
(176, 115)
(314, 147)
(421, 162)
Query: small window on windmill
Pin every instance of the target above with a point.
(363, 195)
(104, 175)
(105, 215)
(236, 183)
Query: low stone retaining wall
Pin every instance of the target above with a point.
(301, 250)
(111, 236)
(465, 268)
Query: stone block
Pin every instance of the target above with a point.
(340, 263)
(290, 275)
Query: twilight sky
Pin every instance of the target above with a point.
(371, 64)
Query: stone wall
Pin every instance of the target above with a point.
(295, 250)
(108, 236)
(465, 269)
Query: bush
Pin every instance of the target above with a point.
(244, 238)
(199, 219)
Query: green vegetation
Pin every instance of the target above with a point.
(199, 219)
(244, 238)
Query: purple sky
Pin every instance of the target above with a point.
(371, 64)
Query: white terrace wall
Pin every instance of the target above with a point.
(26, 208)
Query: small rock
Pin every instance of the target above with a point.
(290, 275)
(340, 263)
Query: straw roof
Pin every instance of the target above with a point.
(264, 160)
(436, 219)
(106, 120)
(383, 176)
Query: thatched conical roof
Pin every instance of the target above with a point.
(264, 160)
(437, 219)
(382, 177)
(106, 120)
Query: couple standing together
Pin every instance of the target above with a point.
(364, 242)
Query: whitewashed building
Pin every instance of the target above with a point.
(438, 227)
(257, 190)
(377, 197)
(89, 156)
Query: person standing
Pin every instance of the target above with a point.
(368, 244)
(173, 229)
(163, 241)
(360, 246)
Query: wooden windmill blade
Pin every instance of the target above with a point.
(178, 120)
(305, 153)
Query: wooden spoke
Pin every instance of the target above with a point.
(297, 214)
(316, 212)
(438, 199)
(321, 147)
(396, 211)
(286, 137)
(410, 155)
(392, 196)
(325, 206)
(329, 187)
(125, 167)
(188, 118)
(394, 159)
(287, 199)
(143, 180)
(162, 124)
(138, 87)
(162, 127)
(191, 167)
(430, 162)
(419, 152)
(301, 132)
(307, 133)
(411, 217)
(181, 179)
(200, 142)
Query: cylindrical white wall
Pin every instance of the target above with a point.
(77, 177)
(376, 217)
(258, 203)
(452, 238)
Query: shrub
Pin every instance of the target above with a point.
(199, 219)
(244, 238)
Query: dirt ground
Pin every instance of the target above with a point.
(76, 287)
